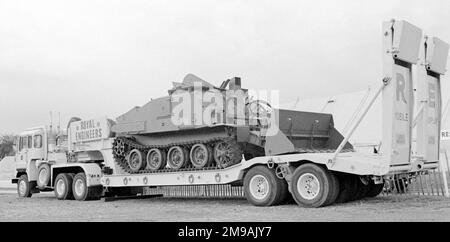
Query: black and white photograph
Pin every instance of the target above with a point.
(239, 112)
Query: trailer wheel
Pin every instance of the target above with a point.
(361, 190)
(335, 188)
(374, 189)
(263, 188)
(135, 160)
(63, 186)
(43, 176)
(348, 187)
(312, 186)
(23, 186)
(177, 157)
(81, 191)
(156, 159)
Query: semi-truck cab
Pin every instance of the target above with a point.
(69, 161)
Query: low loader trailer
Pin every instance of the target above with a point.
(273, 153)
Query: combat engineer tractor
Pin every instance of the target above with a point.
(201, 134)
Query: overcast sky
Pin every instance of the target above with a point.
(95, 58)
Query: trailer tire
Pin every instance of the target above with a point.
(43, 176)
(348, 187)
(318, 194)
(361, 191)
(374, 189)
(63, 186)
(335, 188)
(263, 188)
(23, 186)
(81, 191)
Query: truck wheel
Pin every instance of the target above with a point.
(374, 189)
(135, 160)
(43, 176)
(312, 186)
(348, 187)
(177, 157)
(23, 186)
(263, 188)
(63, 186)
(156, 159)
(81, 191)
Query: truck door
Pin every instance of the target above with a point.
(22, 153)
(36, 151)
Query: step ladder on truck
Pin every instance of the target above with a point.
(289, 167)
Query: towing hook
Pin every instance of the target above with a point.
(270, 163)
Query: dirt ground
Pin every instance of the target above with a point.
(44, 207)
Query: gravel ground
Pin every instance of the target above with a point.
(44, 207)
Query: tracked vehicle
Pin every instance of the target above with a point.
(212, 135)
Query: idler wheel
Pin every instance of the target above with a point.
(227, 154)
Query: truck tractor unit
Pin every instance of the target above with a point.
(201, 134)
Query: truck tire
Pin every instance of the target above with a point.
(348, 187)
(374, 189)
(23, 186)
(81, 191)
(43, 176)
(312, 186)
(263, 188)
(63, 186)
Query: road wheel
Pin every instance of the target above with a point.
(156, 159)
(374, 189)
(177, 157)
(348, 187)
(63, 186)
(23, 186)
(81, 191)
(43, 176)
(201, 156)
(311, 186)
(135, 160)
(263, 188)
